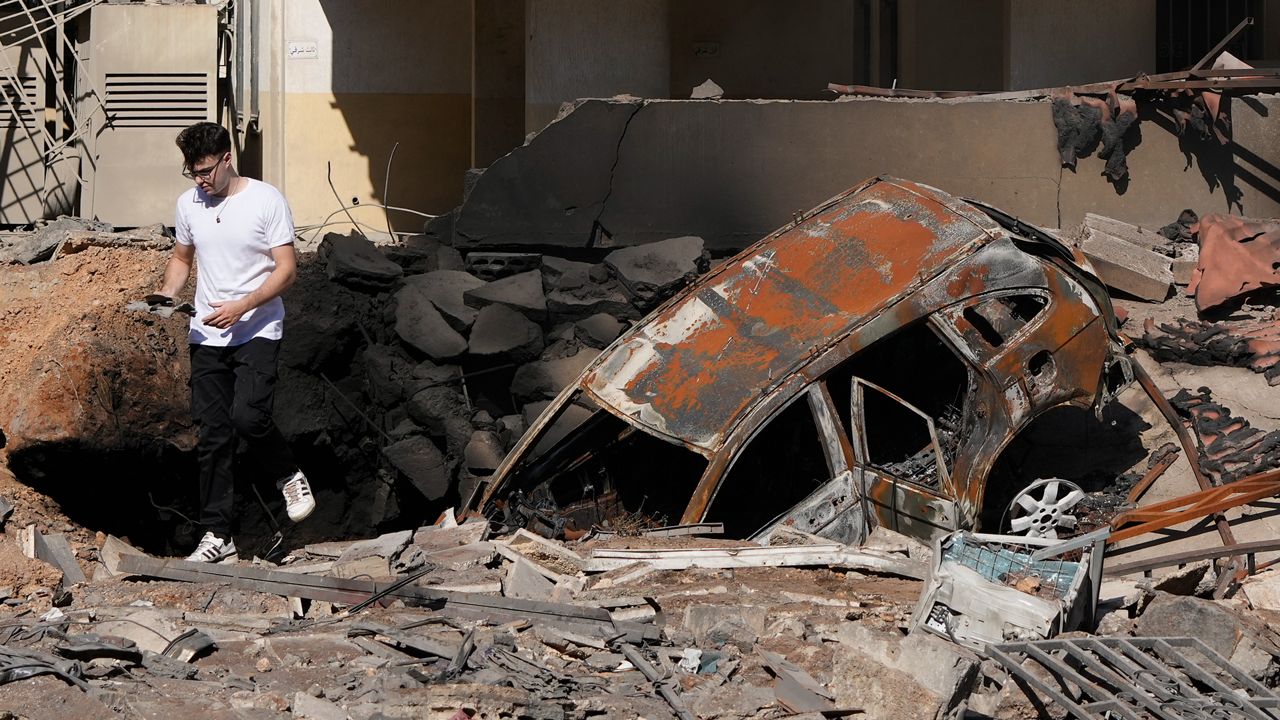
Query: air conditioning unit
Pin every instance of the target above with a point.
(152, 70)
(23, 137)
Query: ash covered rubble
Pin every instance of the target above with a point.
(812, 600)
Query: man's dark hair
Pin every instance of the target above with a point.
(202, 140)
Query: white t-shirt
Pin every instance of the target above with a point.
(233, 237)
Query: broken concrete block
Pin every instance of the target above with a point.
(700, 619)
(1127, 267)
(384, 546)
(559, 274)
(653, 271)
(562, 206)
(545, 379)
(491, 266)
(570, 304)
(499, 330)
(354, 260)
(599, 330)
(423, 464)
(1263, 590)
(708, 90)
(1142, 237)
(39, 245)
(523, 581)
(421, 325)
(306, 707)
(484, 453)
(521, 292)
(445, 289)
(889, 675)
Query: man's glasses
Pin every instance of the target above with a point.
(203, 173)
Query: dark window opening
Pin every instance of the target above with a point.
(1186, 30)
(998, 319)
(983, 326)
(778, 468)
(917, 366)
(601, 471)
(898, 439)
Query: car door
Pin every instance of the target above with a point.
(902, 471)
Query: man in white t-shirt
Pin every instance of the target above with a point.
(239, 232)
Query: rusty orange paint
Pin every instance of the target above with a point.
(713, 353)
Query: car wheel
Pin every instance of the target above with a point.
(1043, 507)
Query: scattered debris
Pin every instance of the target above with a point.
(1237, 257)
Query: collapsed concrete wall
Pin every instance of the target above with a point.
(624, 172)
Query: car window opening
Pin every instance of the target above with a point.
(917, 366)
(600, 473)
(779, 467)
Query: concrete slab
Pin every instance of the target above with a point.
(654, 270)
(354, 260)
(546, 378)
(421, 325)
(1127, 267)
(522, 292)
(423, 464)
(501, 331)
(445, 289)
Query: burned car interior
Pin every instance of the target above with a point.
(865, 365)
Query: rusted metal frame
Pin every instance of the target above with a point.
(1151, 476)
(1249, 549)
(1266, 82)
(1194, 506)
(834, 443)
(1189, 448)
(1222, 43)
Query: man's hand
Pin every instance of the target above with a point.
(226, 313)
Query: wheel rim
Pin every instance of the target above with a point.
(1043, 507)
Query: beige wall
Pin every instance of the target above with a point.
(1053, 43)
(946, 45)
(762, 48)
(589, 48)
(384, 72)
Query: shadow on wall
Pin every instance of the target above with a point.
(399, 80)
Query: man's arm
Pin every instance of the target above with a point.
(229, 312)
(177, 270)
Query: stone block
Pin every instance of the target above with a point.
(599, 330)
(501, 331)
(522, 293)
(523, 581)
(484, 452)
(654, 271)
(889, 675)
(561, 274)
(421, 325)
(423, 464)
(568, 305)
(445, 289)
(1127, 267)
(354, 260)
(306, 707)
(545, 379)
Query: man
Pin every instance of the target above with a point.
(240, 233)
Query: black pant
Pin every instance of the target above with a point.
(232, 389)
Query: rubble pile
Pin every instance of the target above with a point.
(519, 626)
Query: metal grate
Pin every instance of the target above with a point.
(18, 102)
(1138, 678)
(156, 100)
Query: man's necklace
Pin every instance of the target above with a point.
(223, 205)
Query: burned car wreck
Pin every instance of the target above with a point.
(865, 365)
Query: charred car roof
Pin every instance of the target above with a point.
(702, 361)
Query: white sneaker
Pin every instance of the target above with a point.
(298, 500)
(214, 549)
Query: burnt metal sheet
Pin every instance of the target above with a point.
(1137, 678)
(707, 357)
